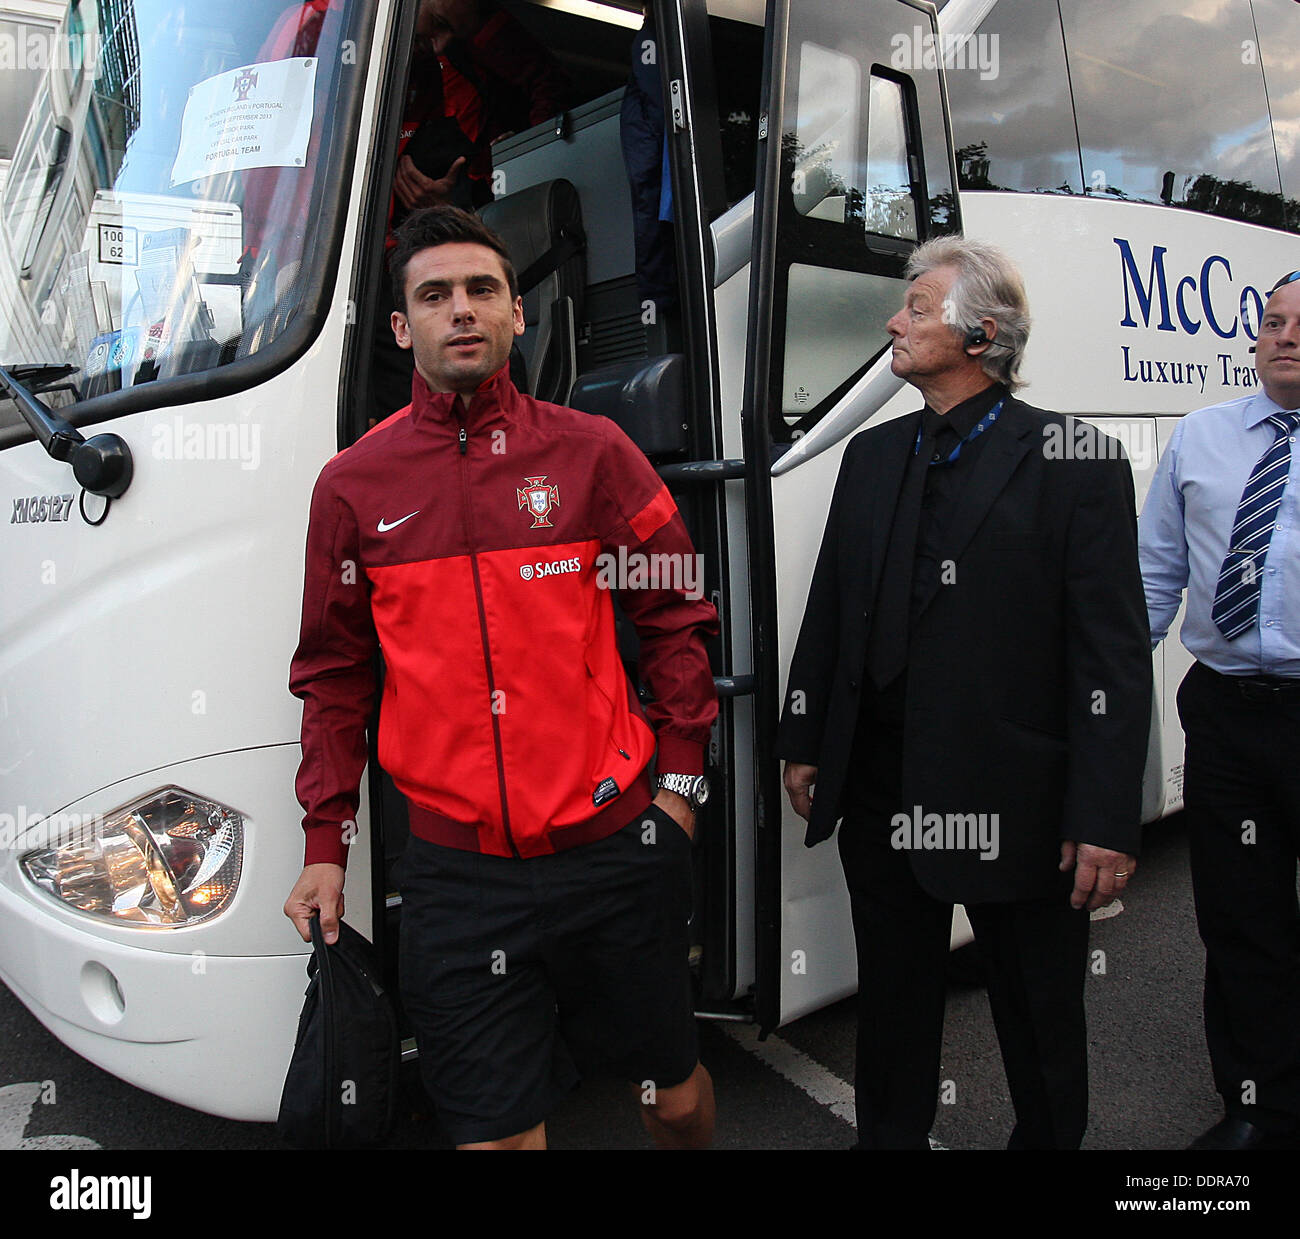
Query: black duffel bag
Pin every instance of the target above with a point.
(341, 1088)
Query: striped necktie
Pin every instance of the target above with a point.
(1236, 599)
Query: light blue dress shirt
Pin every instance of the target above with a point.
(1185, 528)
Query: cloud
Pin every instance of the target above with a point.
(1170, 85)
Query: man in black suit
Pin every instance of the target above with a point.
(971, 693)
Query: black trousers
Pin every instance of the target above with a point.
(1242, 795)
(1035, 954)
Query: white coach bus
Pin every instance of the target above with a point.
(193, 206)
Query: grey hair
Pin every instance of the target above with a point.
(987, 286)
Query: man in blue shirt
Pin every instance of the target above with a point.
(1222, 521)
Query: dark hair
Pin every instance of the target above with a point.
(441, 225)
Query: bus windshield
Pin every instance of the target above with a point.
(154, 214)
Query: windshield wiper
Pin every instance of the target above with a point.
(101, 465)
(43, 376)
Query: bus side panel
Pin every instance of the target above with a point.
(1141, 314)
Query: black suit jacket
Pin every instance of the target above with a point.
(1029, 669)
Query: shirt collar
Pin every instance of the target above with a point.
(963, 418)
(1259, 408)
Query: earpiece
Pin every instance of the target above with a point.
(977, 336)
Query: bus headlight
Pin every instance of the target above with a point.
(170, 858)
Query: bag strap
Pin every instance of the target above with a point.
(325, 993)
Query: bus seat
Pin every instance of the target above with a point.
(646, 398)
(542, 228)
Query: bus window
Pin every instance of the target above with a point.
(21, 80)
(1149, 129)
(827, 134)
(155, 221)
(834, 320)
(1278, 25)
(1012, 122)
(890, 208)
(830, 181)
(1155, 105)
(737, 49)
(865, 177)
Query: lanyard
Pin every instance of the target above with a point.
(980, 427)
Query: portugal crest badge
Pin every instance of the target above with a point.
(539, 499)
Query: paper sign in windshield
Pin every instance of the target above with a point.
(255, 117)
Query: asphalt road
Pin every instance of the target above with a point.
(1151, 1086)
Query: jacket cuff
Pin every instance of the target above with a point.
(325, 846)
(679, 756)
(1126, 839)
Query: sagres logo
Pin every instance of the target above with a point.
(551, 567)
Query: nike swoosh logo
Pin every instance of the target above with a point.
(384, 527)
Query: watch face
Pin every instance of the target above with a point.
(700, 792)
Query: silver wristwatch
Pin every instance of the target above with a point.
(694, 787)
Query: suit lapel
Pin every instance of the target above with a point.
(1002, 454)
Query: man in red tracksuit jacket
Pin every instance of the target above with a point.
(471, 538)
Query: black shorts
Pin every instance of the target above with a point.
(515, 972)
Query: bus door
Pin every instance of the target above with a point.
(605, 334)
(855, 172)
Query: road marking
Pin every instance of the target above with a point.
(16, 1102)
(823, 1086)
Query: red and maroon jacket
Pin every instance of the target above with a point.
(475, 547)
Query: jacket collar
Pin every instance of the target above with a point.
(494, 400)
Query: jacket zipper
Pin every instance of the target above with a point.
(463, 440)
